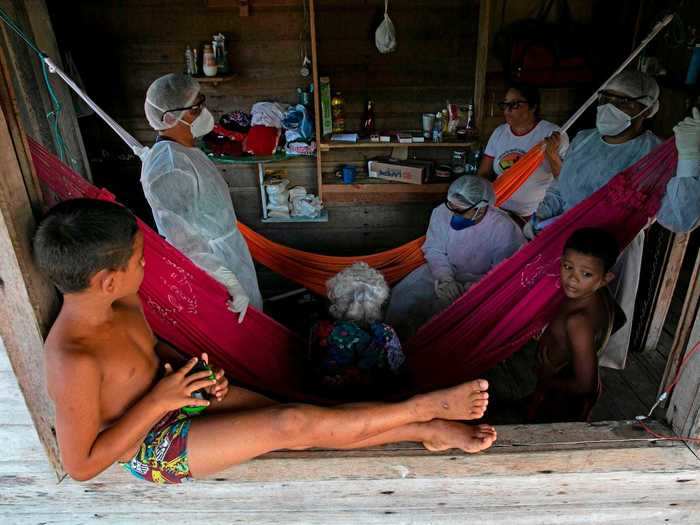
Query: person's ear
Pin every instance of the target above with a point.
(105, 281)
(608, 278)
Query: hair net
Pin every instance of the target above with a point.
(636, 84)
(470, 190)
(357, 294)
(169, 92)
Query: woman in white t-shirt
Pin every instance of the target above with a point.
(510, 141)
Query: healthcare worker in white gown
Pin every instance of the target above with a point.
(596, 155)
(466, 238)
(189, 198)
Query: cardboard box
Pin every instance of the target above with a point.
(410, 172)
(326, 115)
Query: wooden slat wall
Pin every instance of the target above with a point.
(120, 47)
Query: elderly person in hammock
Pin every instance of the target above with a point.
(356, 355)
(467, 236)
(597, 155)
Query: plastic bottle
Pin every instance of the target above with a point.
(209, 61)
(338, 112)
(189, 60)
(437, 127)
(368, 124)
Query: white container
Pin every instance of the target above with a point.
(209, 61)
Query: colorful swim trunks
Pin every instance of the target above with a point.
(162, 457)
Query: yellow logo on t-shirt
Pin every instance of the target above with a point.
(509, 158)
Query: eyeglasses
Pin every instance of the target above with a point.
(512, 105)
(462, 211)
(619, 101)
(195, 108)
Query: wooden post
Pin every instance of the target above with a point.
(662, 296)
(684, 407)
(27, 302)
(685, 326)
(46, 41)
(317, 95)
(28, 80)
(482, 57)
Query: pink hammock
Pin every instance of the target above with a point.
(187, 308)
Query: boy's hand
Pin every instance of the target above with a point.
(175, 390)
(220, 389)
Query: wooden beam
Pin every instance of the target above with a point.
(317, 95)
(45, 39)
(482, 56)
(679, 243)
(684, 407)
(27, 302)
(685, 326)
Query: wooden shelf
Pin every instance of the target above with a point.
(362, 144)
(277, 220)
(376, 191)
(215, 81)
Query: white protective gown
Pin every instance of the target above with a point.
(193, 210)
(465, 256)
(590, 164)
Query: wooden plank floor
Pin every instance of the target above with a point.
(605, 473)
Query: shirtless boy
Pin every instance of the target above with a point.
(567, 354)
(118, 390)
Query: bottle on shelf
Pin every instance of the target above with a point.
(368, 123)
(220, 54)
(209, 61)
(189, 60)
(437, 127)
(470, 116)
(338, 112)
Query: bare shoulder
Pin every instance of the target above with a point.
(580, 321)
(67, 357)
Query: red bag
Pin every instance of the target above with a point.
(261, 140)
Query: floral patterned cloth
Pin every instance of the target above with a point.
(344, 354)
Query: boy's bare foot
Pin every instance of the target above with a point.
(464, 402)
(450, 434)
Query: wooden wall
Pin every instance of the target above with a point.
(121, 46)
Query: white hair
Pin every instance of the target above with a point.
(358, 294)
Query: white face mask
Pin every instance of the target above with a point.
(611, 121)
(202, 125)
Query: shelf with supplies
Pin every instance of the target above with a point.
(347, 84)
(327, 145)
(260, 162)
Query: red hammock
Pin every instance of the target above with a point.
(186, 307)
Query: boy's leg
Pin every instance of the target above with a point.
(239, 398)
(221, 440)
(435, 435)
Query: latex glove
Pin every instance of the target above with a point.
(448, 291)
(239, 299)
(687, 133)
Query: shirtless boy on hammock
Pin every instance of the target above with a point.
(118, 390)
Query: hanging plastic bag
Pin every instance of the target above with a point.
(385, 36)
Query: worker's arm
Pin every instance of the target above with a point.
(435, 246)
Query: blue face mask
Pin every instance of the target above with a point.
(457, 222)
